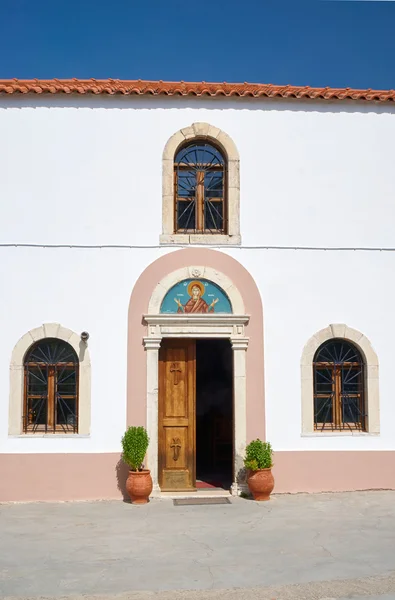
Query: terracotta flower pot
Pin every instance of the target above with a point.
(139, 486)
(261, 484)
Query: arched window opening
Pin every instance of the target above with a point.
(51, 369)
(339, 386)
(200, 189)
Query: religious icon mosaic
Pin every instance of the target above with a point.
(196, 296)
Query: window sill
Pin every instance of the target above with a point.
(317, 434)
(204, 239)
(50, 435)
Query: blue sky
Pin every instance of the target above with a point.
(317, 43)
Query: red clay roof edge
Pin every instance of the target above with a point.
(185, 88)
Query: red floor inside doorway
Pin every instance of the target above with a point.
(209, 484)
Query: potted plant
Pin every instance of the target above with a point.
(139, 482)
(259, 461)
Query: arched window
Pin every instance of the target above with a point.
(199, 177)
(51, 369)
(339, 386)
(200, 187)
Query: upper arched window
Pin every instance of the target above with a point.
(200, 187)
(339, 387)
(200, 190)
(51, 369)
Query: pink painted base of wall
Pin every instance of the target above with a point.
(54, 477)
(333, 471)
(57, 477)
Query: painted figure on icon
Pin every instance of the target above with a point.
(196, 304)
(195, 296)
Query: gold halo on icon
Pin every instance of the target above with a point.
(199, 284)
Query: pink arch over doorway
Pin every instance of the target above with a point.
(142, 291)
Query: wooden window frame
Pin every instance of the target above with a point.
(337, 423)
(51, 410)
(199, 198)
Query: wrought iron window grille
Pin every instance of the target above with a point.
(51, 376)
(200, 189)
(339, 388)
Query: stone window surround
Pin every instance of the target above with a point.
(230, 326)
(49, 330)
(202, 131)
(340, 331)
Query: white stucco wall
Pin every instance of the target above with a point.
(88, 172)
(93, 291)
(312, 173)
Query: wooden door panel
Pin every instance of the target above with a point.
(176, 444)
(177, 376)
(175, 381)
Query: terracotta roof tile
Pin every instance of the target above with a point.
(183, 88)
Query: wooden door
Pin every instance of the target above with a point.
(177, 385)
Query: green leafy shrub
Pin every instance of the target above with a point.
(134, 445)
(245, 495)
(259, 455)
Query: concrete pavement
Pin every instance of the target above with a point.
(295, 546)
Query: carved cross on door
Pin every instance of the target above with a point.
(175, 369)
(176, 445)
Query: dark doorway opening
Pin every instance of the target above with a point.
(214, 413)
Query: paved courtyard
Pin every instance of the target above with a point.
(296, 546)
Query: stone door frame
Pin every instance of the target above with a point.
(197, 326)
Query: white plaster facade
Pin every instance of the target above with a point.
(316, 211)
